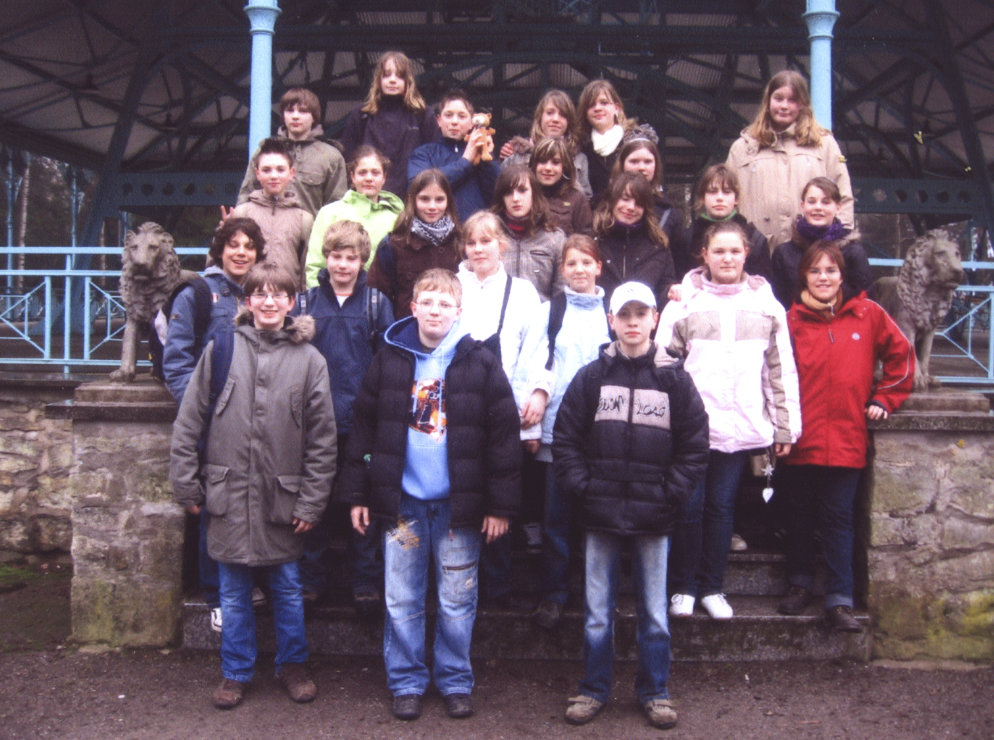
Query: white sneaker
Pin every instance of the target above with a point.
(216, 619)
(682, 605)
(738, 543)
(717, 606)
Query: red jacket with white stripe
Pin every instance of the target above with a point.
(835, 361)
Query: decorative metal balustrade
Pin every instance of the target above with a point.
(37, 323)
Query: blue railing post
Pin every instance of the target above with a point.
(821, 17)
(262, 16)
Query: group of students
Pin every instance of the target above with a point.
(554, 305)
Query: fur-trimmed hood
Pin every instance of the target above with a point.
(299, 329)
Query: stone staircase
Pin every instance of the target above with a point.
(754, 583)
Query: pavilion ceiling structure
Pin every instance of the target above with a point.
(123, 87)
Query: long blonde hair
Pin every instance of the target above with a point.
(807, 130)
(412, 98)
(568, 111)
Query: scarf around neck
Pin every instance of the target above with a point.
(435, 233)
(607, 143)
(833, 232)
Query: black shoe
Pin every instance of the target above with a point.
(796, 602)
(548, 614)
(458, 706)
(407, 706)
(840, 619)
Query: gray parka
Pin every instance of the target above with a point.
(271, 447)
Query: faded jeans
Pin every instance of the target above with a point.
(422, 538)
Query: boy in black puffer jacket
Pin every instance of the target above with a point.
(435, 456)
(631, 443)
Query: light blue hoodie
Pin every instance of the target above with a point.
(426, 464)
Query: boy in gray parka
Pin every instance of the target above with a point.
(263, 476)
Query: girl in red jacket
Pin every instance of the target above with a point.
(838, 337)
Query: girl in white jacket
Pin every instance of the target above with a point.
(499, 310)
(732, 334)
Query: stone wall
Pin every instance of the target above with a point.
(35, 462)
(931, 545)
(127, 530)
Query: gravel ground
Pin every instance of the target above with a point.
(49, 689)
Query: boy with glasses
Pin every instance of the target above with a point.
(260, 462)
(434, 455)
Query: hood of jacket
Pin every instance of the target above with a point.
(286, 199)
(364, 206)
(298, 329)
(697, 279)
(403, 335)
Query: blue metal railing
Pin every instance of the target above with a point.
(33, 318)
(36, 320)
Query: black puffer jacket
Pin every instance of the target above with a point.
(631, 441)
(629, 253)
(483, 445)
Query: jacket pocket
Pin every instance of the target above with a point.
(216, 489)
(283, 498)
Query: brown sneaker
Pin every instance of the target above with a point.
(582, 708)
(840, 619)
(661, 713)
(297, 682)
(796, 602)
(228, 694)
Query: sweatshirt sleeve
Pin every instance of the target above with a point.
(780, 384)
(898, 360)
(573, 422)
(179, 355)
(320, 442)
(184, 455)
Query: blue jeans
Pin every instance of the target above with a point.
(602, 552)
(421, 535)
(238, 644)
(821, 497)
(702, 540)
(206, 566)
(555, 541)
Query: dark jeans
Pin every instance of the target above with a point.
(206, 566)
(555, 541)
(821, 497)
(701, 542)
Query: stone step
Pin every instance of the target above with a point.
(755, 633)
(755, 572)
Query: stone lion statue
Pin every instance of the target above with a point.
(149, 272)
(919, 297)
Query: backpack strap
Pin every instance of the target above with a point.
(557, 309)
(221, 353)
(503, 305)
(374, 299)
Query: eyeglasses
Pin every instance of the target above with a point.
(827, 272)
(428, 304)
(260, 296)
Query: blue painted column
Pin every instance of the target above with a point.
(821, 17)
(262, 16)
